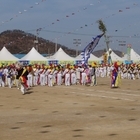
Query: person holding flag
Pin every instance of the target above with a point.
(22, 73)
(115, 76)
(89, 49)
(93, 74)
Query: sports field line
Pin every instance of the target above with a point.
(88, 93)
(102, 96)
(123, 92)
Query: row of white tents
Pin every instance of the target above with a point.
(60, 55)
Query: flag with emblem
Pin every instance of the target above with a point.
(85, 54)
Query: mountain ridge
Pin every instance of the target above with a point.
(20, 42)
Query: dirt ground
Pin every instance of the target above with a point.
(72, 112)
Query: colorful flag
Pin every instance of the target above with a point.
(89, 49)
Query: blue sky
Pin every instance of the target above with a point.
(66, 20)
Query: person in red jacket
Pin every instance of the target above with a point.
(115, 78)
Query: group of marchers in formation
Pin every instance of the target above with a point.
(25, 76)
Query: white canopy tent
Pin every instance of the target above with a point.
(33, 55)
(114, 57)
(60, 55)
(92, 58)
(5, 55)
(133, 56)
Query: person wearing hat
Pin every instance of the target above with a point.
(42, 75)
(36, 71)
(66, 75)
(73, 75)
(59, 76)
(5, 73)
(10, 76)
(115, 78)
(83, 76)
(2, 80)
(50, 76)
(93, 75)
(22, 78)
(78, 74)
(30, 75)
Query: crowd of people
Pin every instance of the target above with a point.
(25, 76)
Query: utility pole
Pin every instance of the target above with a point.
(77, 42)
(107, 42)
(55, 45)
(108, 49)
(129, 52)
(122, 44)
(36, 40)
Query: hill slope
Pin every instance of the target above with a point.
(17, 41)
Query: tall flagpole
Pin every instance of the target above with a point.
(108, 49)
(102, 28)
(55, 45)
(77, 42)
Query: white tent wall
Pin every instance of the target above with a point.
(6, 56)
(114, 57)
(92, 58)
(135, 57)
(62, 57)
(34, 57)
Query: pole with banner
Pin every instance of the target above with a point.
(129, 53)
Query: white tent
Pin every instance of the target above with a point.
(114, 57)
(133, 56)
(33, 55)
(5, 55)
(92, 58)
(60, 55)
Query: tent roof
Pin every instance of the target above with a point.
(92, 58)
(114, 56)
(133, 56)
(33, 55)
(5, 55)
(61, 55)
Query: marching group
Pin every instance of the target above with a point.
(25, 76)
